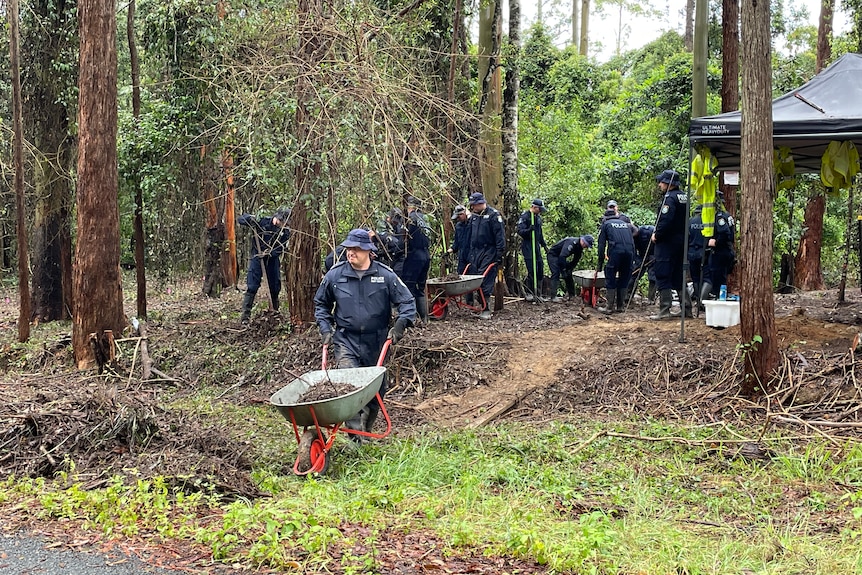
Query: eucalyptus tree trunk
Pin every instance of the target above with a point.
(48, 38)
(490, 103)
(585, 24)
(138, 224)
(757, 306)
(18, 178)
(688, 38)
(576, 27)
(97, 291)
(511, 196)
(303, 264)
(730, 93)
(698, 86)
(807, 273)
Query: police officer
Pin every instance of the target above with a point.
(618, 237)
(391, 241)
(669, 238)
(487, 244)
(461, 239)
(353, 306)
(697, 259)
(613, 205)
(644, 261)
(269, 239)
(563, 258)
(722, 257)
(417, 258)
(532, 243)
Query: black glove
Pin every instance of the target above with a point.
(325, 337)
(397, 331)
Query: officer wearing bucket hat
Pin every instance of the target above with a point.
(532, 243)
(269, 239)
(563, 258)
(487, 244)
(461, 240)
(353, 307)
(669, 237)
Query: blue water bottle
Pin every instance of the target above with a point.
(722, 293)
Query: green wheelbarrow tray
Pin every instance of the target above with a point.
(366, 380)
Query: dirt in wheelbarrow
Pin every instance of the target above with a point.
(532, 361)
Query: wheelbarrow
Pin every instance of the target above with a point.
(322, 420)
(442, 292)
(590, 282)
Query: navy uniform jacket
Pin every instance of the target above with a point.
(617, 236)
(487, 239)
(672, 219)
(527, 223)
(357, 309)
(696, 241)
(461, 243)
(273, 238)
(643, 241)
(564, 249)
(724, 232)
(417, 259)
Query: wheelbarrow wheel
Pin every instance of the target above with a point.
(312, 456)
(439, 308)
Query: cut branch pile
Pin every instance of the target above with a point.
(818, 391)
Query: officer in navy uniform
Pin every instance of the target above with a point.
(563, 258)
(487, 244)
(532, 243)
(391, 239)
(417, 258)
(617, 237)
(461, 240)
(268, 241)
(722, 257)
(644, 261)
(697, 258)
(669, 238)
(353, 307)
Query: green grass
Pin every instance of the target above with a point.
(617, 506)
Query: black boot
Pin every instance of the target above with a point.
(651, 292)
(611, 305)
(665, 301)
(247, 304)
(704, 295)
(622, 299)
(686, 303)
(422, 308)
(555, 285)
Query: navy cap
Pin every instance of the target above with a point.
(539, 204)
(670, 177)
(589, 239)
(477, 198)
(612, 204)
(459, 209)
(359, 238)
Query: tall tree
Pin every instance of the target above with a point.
(701, 47)
(807, 273)
(97, 290)
(490, 103)
(304, 246)
(585, 28)
(729, 86)
(576, 27)
(138, 224)
(758, 309)
(688, 38)
(49, 38)
(18, 181)
(511, 196)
